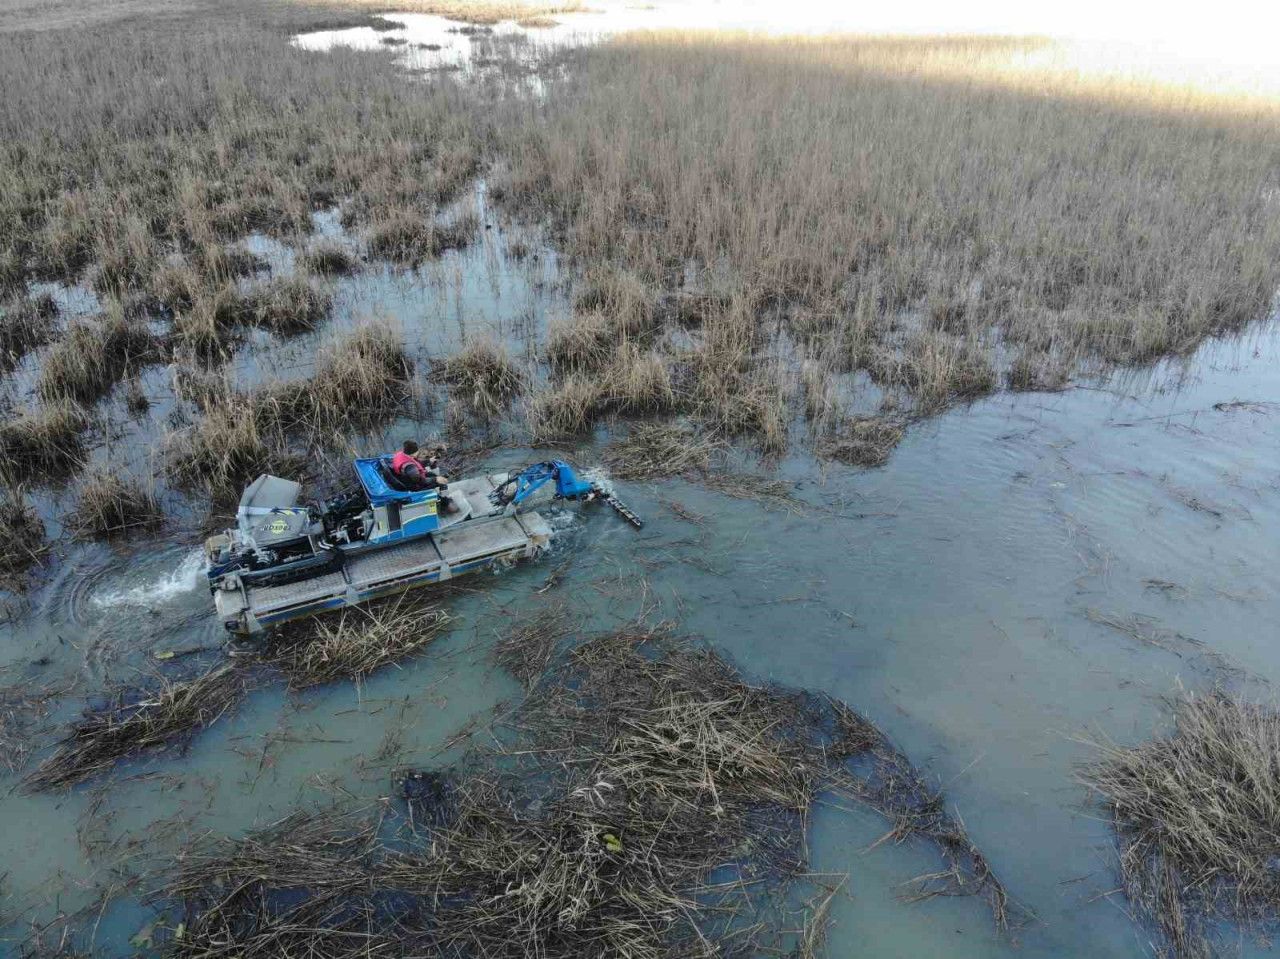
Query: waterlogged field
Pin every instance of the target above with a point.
(310, 236)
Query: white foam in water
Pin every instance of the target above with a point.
(599, 478)
(184, 579)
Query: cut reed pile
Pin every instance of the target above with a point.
(654, 450)
(643, 802)
(353, 643)
(862, 441)
(112, 504)
(22, 533)
(47, 439)
(485, 374)
(133, 721)
(1197, 814)
(525, 650)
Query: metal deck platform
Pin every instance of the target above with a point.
(458, 549)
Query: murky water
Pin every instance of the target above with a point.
(954, 596)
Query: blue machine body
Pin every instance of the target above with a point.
(397, 514)
(532, 478)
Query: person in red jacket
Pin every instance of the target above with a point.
(415, 474)
(407, 467)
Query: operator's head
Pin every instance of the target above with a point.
(410, 447)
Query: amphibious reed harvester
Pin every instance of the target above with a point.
(284, 560)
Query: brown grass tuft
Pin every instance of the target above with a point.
(361, 378)
(329, 258)
(1196, 815)
(584, 341)
(25, 323)
(637, 382)
(94, 355)
(287, 306)
(227, 447)
(567, 409)
(623, 297)
(484, 374)
(47, 439)
(410, 236)
(114, 505)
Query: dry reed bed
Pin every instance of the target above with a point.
(657, 450)
(130, 177)
(640, 767)
(1197, 814)
(355, 642)
(133, 721)
(467, 11)
(945, 209)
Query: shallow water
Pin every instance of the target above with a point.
(948, 595)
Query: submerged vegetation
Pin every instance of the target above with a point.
(1197, 813)
(594, 826)
(134, 721)
(94, 355)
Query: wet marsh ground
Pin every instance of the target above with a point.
(200, 244)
